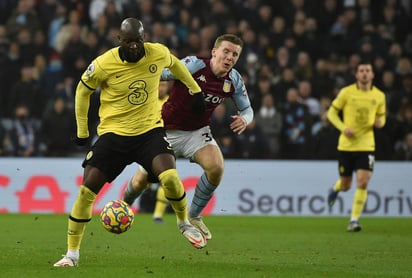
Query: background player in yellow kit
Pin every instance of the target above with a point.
(363, 108)
(130, 128)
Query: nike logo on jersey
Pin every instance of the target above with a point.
(118, 75)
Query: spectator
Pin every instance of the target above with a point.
(65, 33)
(303, 67)
(58, 126)
(403, 149)
(270, 120)
(3, 135)
(252, 143)
(46, 12)
(75, 54)
(403, 96)
(278, 32)
(26, 46)
(286, 82)
(305, 97)
(24, 136)
(59, 19)
(406, 119)
(112, 11)
(282, 60)
(327, 13)
(23, 16)
(26, 92)
(262, 88)
(323, 84)
(297, 124)
(325, 137)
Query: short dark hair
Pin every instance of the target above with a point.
(364, 62)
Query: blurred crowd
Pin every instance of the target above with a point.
(297, 54)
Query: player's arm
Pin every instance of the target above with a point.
(82, 103)
(178, 69)
(192, 63)
(381, 115)
(336, 107)
(380, 121)
(333, 117)
(242, 102)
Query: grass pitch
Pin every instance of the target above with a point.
(241, 247)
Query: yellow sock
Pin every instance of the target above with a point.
(336, 187)
(358, 204)
(175, 193)
(161, 203)
(80, 215)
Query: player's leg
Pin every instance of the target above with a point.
(176, 195)
(211, 160)
(344, 183)
(103, 165)
(81, 214)
(364, 164)
(160, 206)
(136, 186)
(359, 199)
(161, 166)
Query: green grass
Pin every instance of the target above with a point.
(241, 247)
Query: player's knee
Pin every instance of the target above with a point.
(362, 184)
(214, 174)
(345, 185)
(139, 181)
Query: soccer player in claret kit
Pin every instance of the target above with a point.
(130, 128)
(189, 133)
(363, 108)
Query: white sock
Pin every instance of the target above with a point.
(73, 253)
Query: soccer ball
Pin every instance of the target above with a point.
(117, 216)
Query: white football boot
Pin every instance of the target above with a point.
(198, 223)
(194, 236)
(67, 262)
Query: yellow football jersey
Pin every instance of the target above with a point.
(128, 91)
(359, 109)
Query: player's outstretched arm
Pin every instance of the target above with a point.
(180, 71)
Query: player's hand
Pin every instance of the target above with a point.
(378, 123)
(80, 141)
(198, 104)
(349, 132)
(238, 125)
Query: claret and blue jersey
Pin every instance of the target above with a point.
(177, 113)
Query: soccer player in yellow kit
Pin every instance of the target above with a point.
(363, 108)
(130, 128)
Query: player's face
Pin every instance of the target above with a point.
(364, 74)
(132, 47)
(225, 57)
